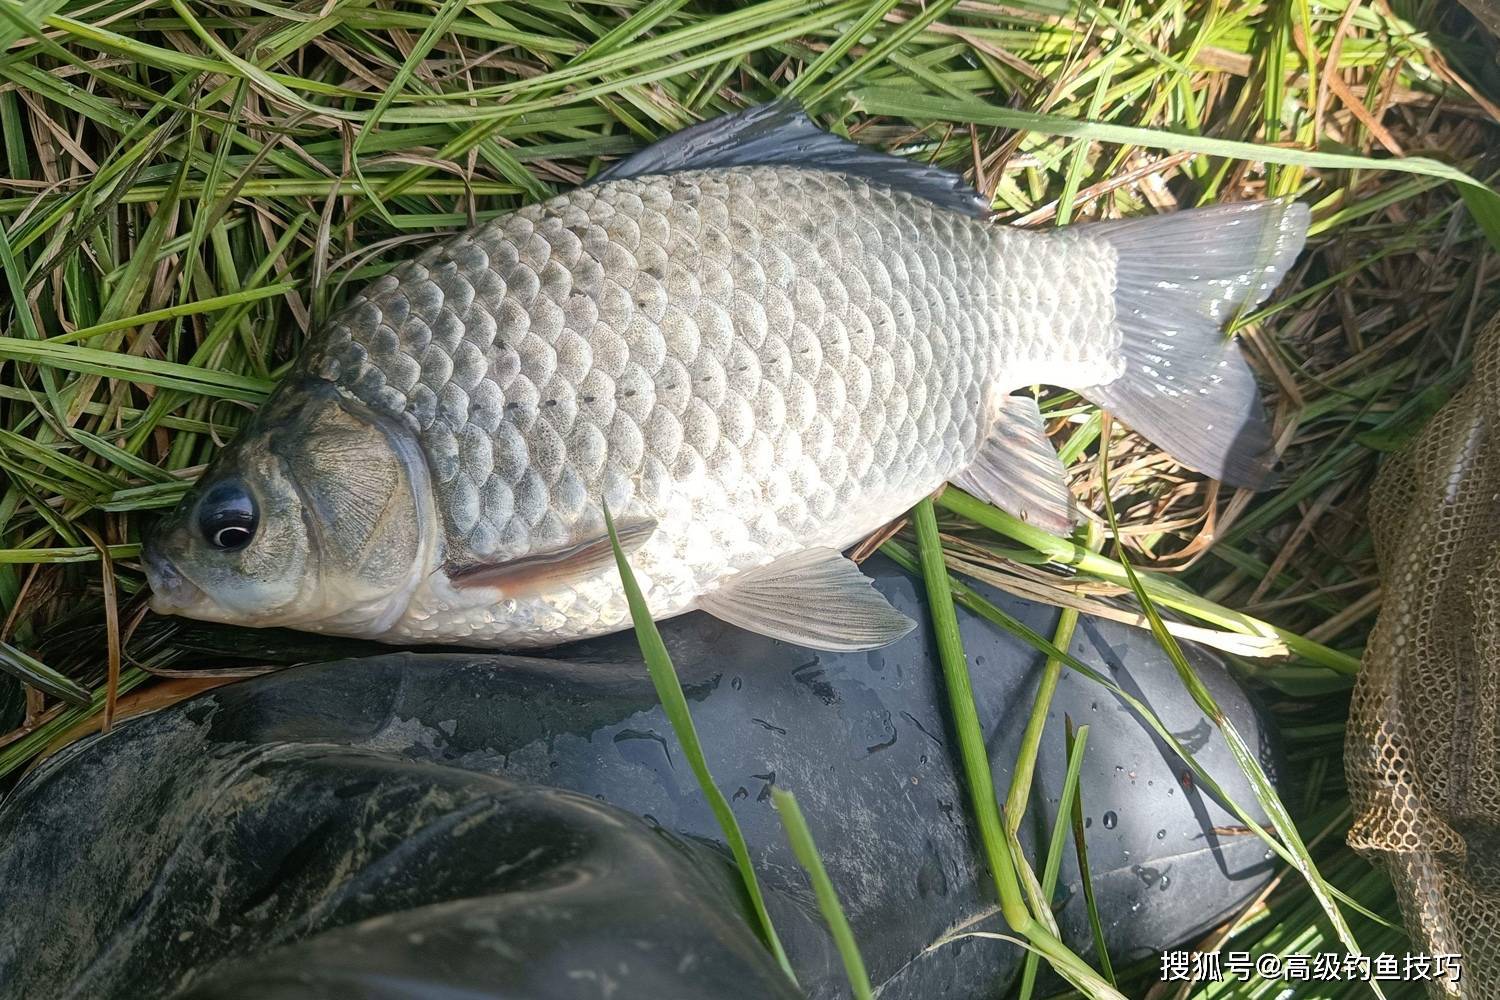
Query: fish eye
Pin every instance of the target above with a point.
(227, 516)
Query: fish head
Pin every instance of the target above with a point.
(319, 516)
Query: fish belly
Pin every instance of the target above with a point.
(758, 359)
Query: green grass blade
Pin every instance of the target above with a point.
(975, 764)
(29, 670)
(112, 364)
(1245, 755)
(1036, 722)
(800, 837)
(887, 101)
(1081, 850)
(976, 602)
(18, 20)
(674, 703)
(18, 754)
(1069, 553)
(194, 308)
(1060, 830)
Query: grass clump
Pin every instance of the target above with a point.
(188, 189)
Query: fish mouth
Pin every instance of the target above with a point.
(171, 592)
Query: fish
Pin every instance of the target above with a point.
(752, 343)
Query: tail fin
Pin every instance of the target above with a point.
(1179, 278)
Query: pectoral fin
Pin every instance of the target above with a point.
(814, 598)
(1018, 470)
(543, 569)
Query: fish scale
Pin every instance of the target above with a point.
(760, 359)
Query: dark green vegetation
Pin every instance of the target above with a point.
(189, 188)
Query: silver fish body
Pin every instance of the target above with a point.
(759, 359)
(752, 366)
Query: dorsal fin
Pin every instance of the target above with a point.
(781, 134)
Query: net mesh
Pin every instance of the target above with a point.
(1424, 728)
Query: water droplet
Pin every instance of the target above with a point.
(1166, 880)
(1110, 820)
(1088, 821)
(1161, 835)
(736, 683)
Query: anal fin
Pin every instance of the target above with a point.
(540, 570)
(815, 597)
(1018, 470)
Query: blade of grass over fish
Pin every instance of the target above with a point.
(674, 703)
(975, 763)
(801, 839)
(1060, 830)
(1245, 755)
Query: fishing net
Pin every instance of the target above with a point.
(1423, 751)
